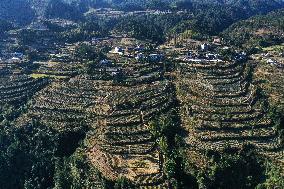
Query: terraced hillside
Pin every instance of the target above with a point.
(123, 138)
(63, 105)
(17, 88)
(272, 79)
(116, 105)
(222, 108)
(7, 67)
(78, 97)
(58, 70)
(131, 74)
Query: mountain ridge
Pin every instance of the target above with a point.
(25, 11)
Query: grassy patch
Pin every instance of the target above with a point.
(274, 48)
(37, 76)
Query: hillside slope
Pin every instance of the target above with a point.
(257, 31)
(24, 11)
(18, 11)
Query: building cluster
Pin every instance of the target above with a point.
(192, 56)
(139, 53)
(276, 63)
(111, 13)
(272, 58)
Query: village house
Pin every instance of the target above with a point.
(118, 50)
(14, 60)
(139, 48)
(156, 57)
(204, 47)
(140, 57)
(273, 62)
(211, 56)
(105, 63)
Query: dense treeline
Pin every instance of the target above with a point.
(154, 27)
(262, 6)
(59, 9)
(225, 12)
(233, 169)
(33, 156)
(204, 19)
(5, 26)
(84, 31)
(237, 169)
(26, 157)
(258, 31)
(18, 11)
(212, 19)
